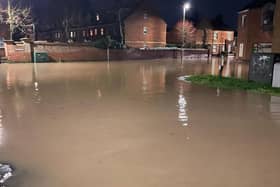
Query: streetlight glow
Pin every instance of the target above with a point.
(187, 6)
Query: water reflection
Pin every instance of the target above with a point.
(182, 107)
(230, 68)
(1, 129)
(275, 108)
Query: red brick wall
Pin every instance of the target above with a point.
(74, 52)
(134, 30)
(18, 52)
(252, 32)
(276, 32)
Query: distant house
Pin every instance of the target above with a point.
(102, 25)
(255, 28)
(145, 28)
(217, 38)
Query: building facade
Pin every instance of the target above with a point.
(276, 29)
(144, 29)
(255, 28)
(219, 41)
(103, 25)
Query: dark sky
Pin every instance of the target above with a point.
(172, 9)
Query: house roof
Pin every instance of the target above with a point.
(257, 4)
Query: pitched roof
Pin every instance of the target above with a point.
(257, 4)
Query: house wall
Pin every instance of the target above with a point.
(276, 32)
(252, 32)
(134, 30)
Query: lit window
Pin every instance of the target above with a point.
(95, 32)
(72, 34)
(102, 31)
(145, 16)
(91, 32)
(216, 35)
(145, 30)
(243, 20)
(97, 17)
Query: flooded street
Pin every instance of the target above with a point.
(133, 124)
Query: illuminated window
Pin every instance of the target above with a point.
(102, 31)
(216, 35)
(95, 32)
(145, 31)
(72, 34)
(91, 32)
(97, 17)
(214, 48)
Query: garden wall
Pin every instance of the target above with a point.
(61, 52)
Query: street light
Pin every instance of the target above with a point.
(186, 8)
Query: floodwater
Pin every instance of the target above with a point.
(133, 124)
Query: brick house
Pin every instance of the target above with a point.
(217, 39)
(255, 28)
(276, 29)
(103, 24)
(144, 28)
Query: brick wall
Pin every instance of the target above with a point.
(82, 52)
(276, 32)
(18, 52)
(251, 33)
(134, 30)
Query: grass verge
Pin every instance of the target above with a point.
(232, 83)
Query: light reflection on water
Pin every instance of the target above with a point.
(126, 117)
(182, 107)
(1, 129)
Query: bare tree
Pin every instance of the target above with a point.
(18, 18)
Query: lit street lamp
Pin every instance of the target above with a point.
(186, 8)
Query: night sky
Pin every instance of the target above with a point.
(171, 10)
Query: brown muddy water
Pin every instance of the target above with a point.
(133, 124)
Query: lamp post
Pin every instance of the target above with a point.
(186, 8)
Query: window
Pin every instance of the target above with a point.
(243, 20)
(97, 17)
(145, 30)
(91, 32)
(95, 32)
(102, 31)
(241, 50)
(72, 34)
(216, 35)
(145, 16)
